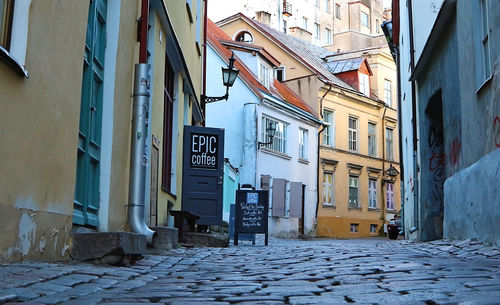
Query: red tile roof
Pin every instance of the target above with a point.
(214, 37)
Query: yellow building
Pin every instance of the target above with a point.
(67, 84)
(351, 171)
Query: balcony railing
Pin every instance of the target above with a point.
(287, 8)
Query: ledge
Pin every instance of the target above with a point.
(275, 153)
(328, 206)
(354, 208)
(303, 161)
(12, 62)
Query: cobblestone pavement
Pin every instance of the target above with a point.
(319, 271)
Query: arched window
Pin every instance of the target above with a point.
(244, 36)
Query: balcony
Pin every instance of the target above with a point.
(287, 8)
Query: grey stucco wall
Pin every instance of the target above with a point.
(471, 136)
(441, 74)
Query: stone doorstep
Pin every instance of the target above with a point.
(207, 239)
(166, 239)
(96, 245)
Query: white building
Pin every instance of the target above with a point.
(287, 166)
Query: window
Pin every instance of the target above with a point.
(353, 192)
(302, 144)
(483, 57)
(244, 37)
(168, 118)
(198, 26)
(264, 74)
(377, 26)
(280, 74)
(316, 3)
(390, 195)
(353, 134)
(329, 132)
(364, 84)
(6, 16)
(388, 92)
(373, 228)
(328, 190)
(279, 140)
(354, 227)
(372, 140)
(337, 11)
(372, 193)
(328, 36)
(14, 20)
(364, 19)
(304, 23)
(317, 32)
(388, 144)
(328, 6)
(284, 26)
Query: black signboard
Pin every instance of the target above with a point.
(251, 213)
(204, 150)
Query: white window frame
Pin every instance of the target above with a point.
(303, 139)
(337, 12)
(389, 188)
(328, 35)
(328, 5)
(264, 74)
(362, 19)
(388, 92)
(389, 143)
(304, 23)
(328, 189)
(329, 132)
(19, 35)
(372, 225)
(372, 139)
(483, 47)
(353, 184)
(364, 84)
(279, 143)
(353, 134)
(317, 31)
(377, 26)
(372, 193)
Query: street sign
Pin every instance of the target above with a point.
(251, 213)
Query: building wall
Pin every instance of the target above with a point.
(289, 167)
(335, 221)
(472, 140)
(38, 129)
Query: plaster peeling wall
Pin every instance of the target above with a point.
(34, 235)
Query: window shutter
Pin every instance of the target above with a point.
(296, 200)
(279, 187)
(265, 181)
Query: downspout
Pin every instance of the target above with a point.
(317, 172)
(414, 120)
(139, 156)
(400, 137)
(382, 206)
(203, 105)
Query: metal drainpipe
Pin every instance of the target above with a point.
(317, 173)
(139, 155)
(203, 105)
(400, 137)
(382, 206)
(414, 122)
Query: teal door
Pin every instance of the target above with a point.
(86, 203)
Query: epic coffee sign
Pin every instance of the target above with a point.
(204, 150)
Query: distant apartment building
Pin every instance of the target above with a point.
(310, 20)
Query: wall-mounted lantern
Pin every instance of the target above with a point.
(229, 75)
(391, 174)
(271, 131)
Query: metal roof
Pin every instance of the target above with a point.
(344, 65)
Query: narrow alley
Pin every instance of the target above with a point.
(319, 271)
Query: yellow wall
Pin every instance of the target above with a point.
(126, 57)
(335, 221)
(39, 132)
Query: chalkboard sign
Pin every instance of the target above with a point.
(251, 213)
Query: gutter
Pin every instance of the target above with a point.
(317, 172)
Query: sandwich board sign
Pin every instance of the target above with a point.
(251, 213)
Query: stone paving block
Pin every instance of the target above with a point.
(301, 300)
(7, 297)
(48, 288)
(249, 298)
(22, 294)
(72, 279)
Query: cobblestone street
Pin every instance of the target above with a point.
(320, 271)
